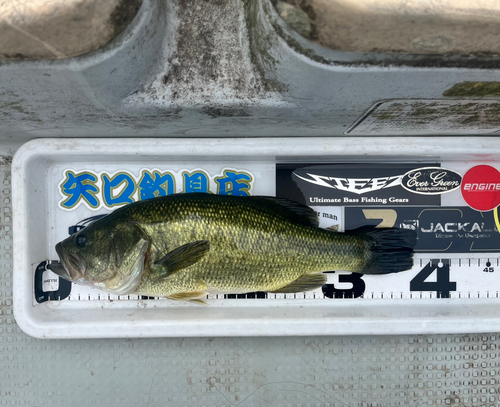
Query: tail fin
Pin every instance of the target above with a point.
(390, 250)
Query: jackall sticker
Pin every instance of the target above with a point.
(351, 185)
(98, 190)
(440, 230)
(431, 180)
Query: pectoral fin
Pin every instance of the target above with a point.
(183, 256)
(306, 282)
(197, 297)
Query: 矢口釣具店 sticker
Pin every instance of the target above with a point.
(103, 189)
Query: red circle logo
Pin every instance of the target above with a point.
(481, 187)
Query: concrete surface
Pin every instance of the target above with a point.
(257, 78)
(341, 371)
(55, 29)
(460, 27)
(216, 68)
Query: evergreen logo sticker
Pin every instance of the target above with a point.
(431, 181)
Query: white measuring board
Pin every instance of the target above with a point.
(437, 273)
(452, 287)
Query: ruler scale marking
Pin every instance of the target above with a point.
(435, 279)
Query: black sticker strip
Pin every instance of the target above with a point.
(440, 230)
(356, 184)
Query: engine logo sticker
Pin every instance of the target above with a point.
(481, 187)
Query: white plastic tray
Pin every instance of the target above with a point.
(37, 226)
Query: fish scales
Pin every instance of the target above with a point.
(252, 248)
(188, 245)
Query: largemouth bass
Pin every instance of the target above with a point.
(186, 246)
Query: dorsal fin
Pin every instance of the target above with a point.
(305, 215)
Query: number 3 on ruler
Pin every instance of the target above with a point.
(357, 290)
(443, 286)
(388, 217)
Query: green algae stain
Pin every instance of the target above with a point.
(474, 89)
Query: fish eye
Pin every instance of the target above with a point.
(81, 240)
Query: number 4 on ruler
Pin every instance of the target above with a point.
(443, 286)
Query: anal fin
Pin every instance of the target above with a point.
(306, 282)
(197, 297)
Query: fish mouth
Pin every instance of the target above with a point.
(70, 267)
